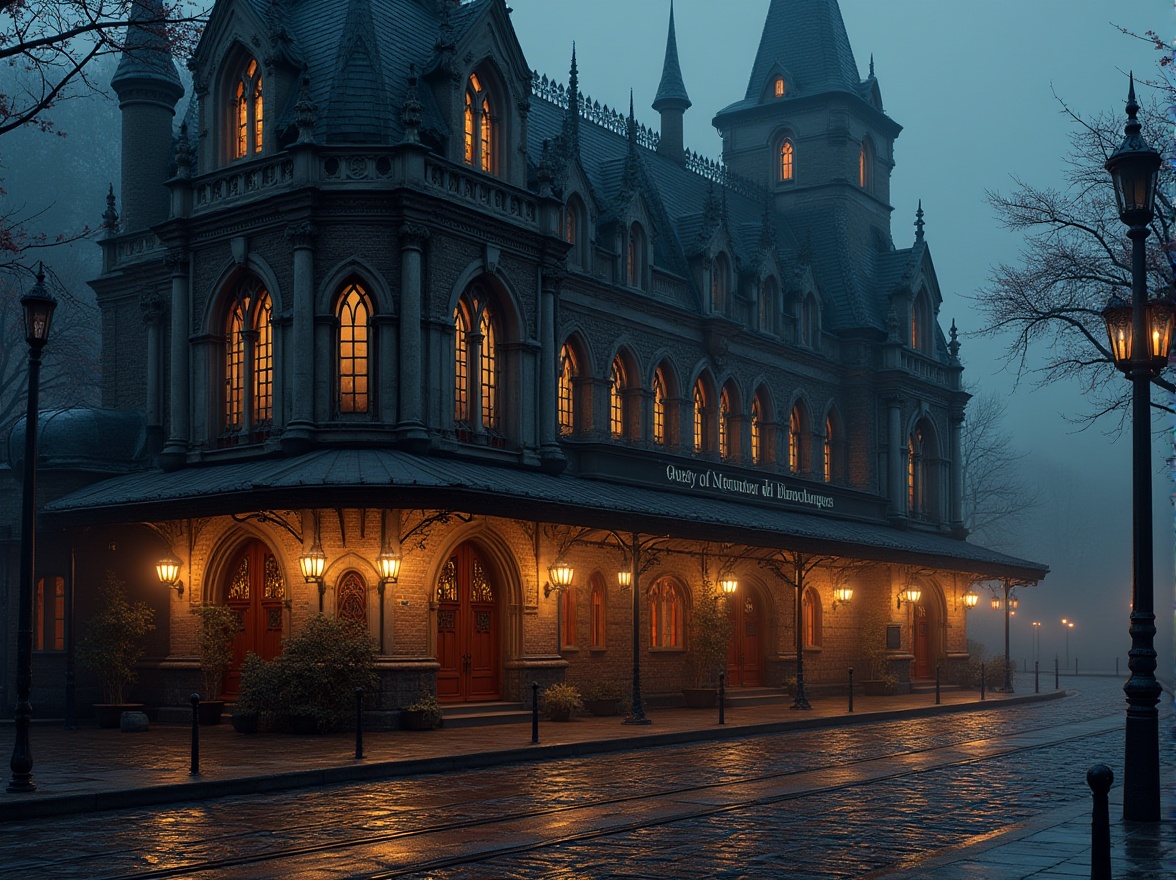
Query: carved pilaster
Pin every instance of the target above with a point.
(302, 234)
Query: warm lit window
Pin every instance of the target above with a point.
(616, 399)
(916, 475)
(248, 362)
(757, 428)
(665, 614)
(568, 635)
(720, 281)
(724, 424)
(49, 626)
(475, 365)
(812, 619)
(827, 451)
(599, 621)
(479, 126)
(659, 408)
(248, 112)
(568, 373)
(699, 418)
(866, 165)
(778, 87)
(795, 440)
(786, 160)
(351, 599)
(354, 313)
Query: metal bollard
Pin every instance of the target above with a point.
(1036, 677)
(534, 712)
(1100, 778)
(936, 684)
(982, 681)
(722, 695)
(194, 769)
(851, 689)
(358, 724)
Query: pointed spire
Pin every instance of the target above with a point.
(672, 90)
(306, 109)
(919, 223)
(110, 216)
(147, 51)
(631, 159)
(954, 346)
(544, 175)
(809, 39)
(871, 65)
(411, 112)
(571, 123)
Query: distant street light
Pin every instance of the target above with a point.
(1140, 348)
(1037, 641)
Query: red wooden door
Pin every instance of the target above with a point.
(745, 661)
(255, 589)
(922, 644)
(467, 629)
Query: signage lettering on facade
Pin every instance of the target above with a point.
(718, 483)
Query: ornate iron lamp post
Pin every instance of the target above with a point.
(1140, 348)
(38, 305)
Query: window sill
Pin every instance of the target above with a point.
(672, 649)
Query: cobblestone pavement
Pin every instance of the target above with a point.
(992, 794)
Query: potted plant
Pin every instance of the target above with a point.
(217, 630)
(561, 700)
(710, 641)
(602, 697)
(422, 714)
(111, 646)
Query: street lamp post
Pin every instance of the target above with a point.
(636, 709)
(38, 305)
(1140, 349)
(1067, 625)
(1036, 641)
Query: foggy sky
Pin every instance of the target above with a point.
(971, 85)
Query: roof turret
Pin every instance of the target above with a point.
(808, 39)
(147, 53)
(671, 92)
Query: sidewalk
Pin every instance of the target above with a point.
(86, 770)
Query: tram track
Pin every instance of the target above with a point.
(484, 838)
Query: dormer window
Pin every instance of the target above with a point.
(787, 158)
(479, 126)
(248, 111)
(778, 87)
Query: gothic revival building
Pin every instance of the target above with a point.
(396, 330)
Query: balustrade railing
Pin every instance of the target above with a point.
(231, 183)
(482, 192)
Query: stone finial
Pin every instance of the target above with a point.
(571, 124)
(919, 223)
(871, 65)
(183, 153)
(110, 216)
(954, 346)
(306, 109)
(411, 112)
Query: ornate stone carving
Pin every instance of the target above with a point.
(302, 234)
(413, 235)
(152, 306)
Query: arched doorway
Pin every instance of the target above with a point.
(745, 658)
(468, 594)
(255, 589)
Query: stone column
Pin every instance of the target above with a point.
(153, 307)
(410, 427)
(550, 454)
(896, 485)
(175, 450)
(296, 437)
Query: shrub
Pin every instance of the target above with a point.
(112, 642)
(217, 631)
(601, 689)
(562, 697)
(427, 703)
(710, 637)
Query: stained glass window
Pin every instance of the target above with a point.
(249, 112)
(786, 160)
(480, 587)
(239, 585)
(351, 599)
(568, 373)
(665, 614)
(447, 582)
(353, 313)
(275, 584)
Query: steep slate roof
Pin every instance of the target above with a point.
(808, 38)
(148, 53)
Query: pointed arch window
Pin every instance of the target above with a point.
(916, 475)
(569, 372)
(618, 383)
(866, 165)
(475, 368)
(599, 620)
(248, 112)
(354, 315)
(726, 451)
(700, 425)
(247, 404)
(787, 160)
(665, 614)
(351, 599)
(797, 430)
(811, 609)
(827, 451)
(920, 338)
(757, 430)
(768, 305)
(778, 87)
(479, 126)
(659, 408)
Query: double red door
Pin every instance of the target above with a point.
(923, 667)
(255, 590)
(467, 628)
(745, 663)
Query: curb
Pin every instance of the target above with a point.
(206, 789)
